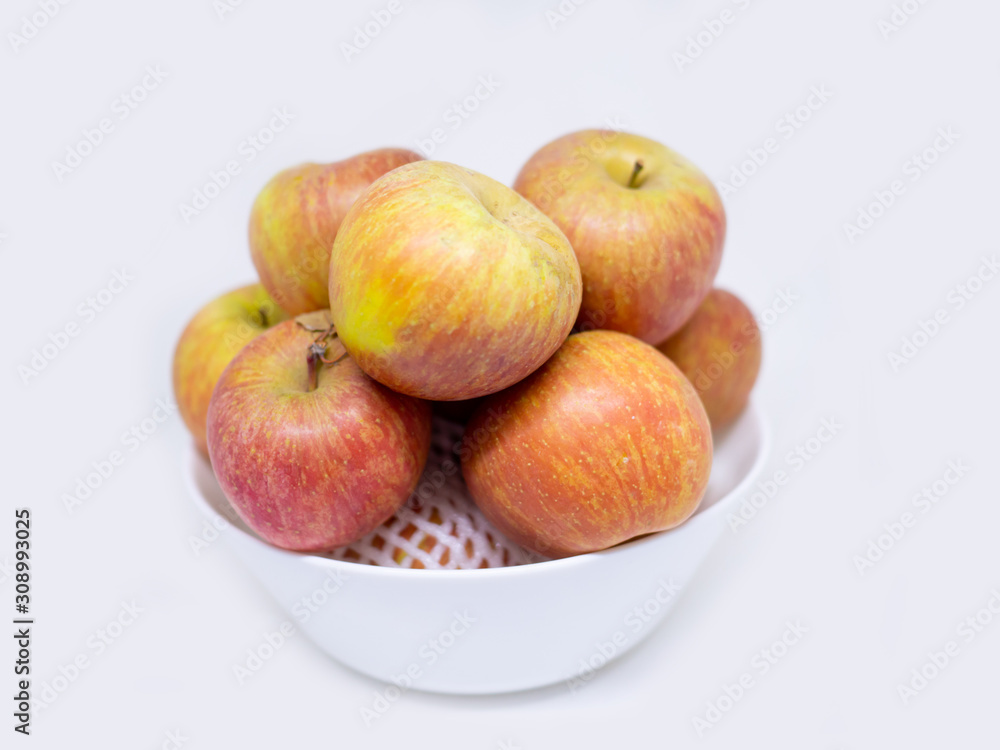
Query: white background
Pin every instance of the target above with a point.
(825, 357)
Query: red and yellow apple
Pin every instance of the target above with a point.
(211, 339)
(605, 442)
(447, 285)
(719, 350)
(295, 219)
(646, 224)
(311, 452)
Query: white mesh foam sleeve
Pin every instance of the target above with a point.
(439, 527)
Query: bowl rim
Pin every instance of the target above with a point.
(536, 568)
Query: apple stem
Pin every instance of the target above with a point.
(326, 361)
(263, 316)
(326, 334)
(635, 173)
(316, 355)
(313, 358)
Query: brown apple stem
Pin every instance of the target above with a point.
(263, 316)
(327, 335)
(316, 355)
(333, 361)
(635, 173)
(313, 359)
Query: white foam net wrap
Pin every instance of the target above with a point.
(439, 527)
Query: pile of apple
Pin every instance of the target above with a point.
(573, 317)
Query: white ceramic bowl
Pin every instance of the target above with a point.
(495, 630)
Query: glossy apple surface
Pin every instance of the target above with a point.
(295, 219)
(447, 285)
(209, 342)
(646, 224)
(719, 350)
(308, 465)
(605, 442)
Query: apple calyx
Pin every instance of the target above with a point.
(635, 174)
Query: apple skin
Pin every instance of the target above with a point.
(719, 351)
(312, 470)
(607, 441)
(295, 218)
(648, 253)
(447, 285)
(209, 342)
